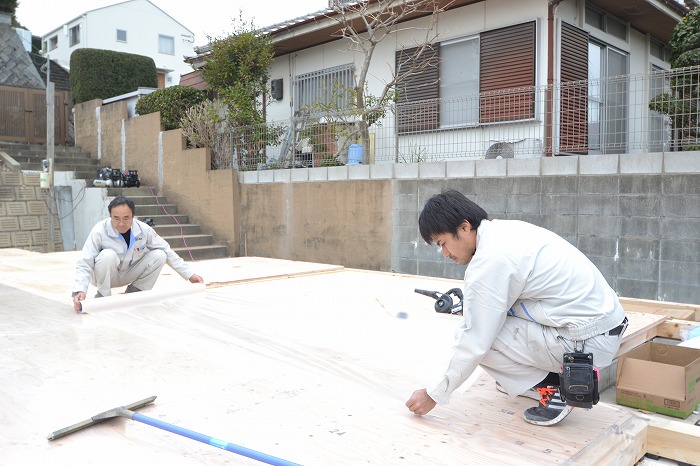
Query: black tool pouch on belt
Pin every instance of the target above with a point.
(579, 380)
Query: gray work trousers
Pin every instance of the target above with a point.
(525, 352)
(143, 274)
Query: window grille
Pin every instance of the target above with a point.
(330, 86)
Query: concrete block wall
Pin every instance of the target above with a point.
(637, 219)
(24, 221)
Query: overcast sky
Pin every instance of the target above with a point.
(203, 17)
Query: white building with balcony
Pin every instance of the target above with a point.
(134, 26)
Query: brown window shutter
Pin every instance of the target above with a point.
(573, 125)
(417, 106)
(507, 81)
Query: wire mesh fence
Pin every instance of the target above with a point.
(632, 114)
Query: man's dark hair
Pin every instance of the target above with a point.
(121, 200)
(444, 213)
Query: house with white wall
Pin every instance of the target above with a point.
(513, 78)
(134, 26)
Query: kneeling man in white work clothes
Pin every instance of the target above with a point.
(124, 251)
(531, 300)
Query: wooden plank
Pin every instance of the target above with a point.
(675, 440)
(675, 328)
(670, 309)
(605, 449)
(20, 269)
(642, 327)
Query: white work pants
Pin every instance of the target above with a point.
(142, 275)
(525, 352)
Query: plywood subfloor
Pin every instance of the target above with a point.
(310, 367)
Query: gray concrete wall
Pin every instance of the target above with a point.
(637, 217)
(639, 224)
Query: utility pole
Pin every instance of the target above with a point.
(50, 122)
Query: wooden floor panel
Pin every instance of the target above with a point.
(310, 367)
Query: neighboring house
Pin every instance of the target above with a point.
(59, 75)
(154, 34)
(513, 78)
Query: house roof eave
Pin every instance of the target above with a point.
(655, 17)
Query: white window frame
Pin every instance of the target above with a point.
(125, 36)
(164, 40)
(455, 84)
(74, 35)
(604, 98)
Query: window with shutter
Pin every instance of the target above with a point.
(573, 98)
(507, 71)
(417, 106)
(481, 79)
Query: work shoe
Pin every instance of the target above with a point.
(131, 289)
(98, 295)
(530, 393)
(551, 409)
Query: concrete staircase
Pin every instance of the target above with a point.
(186, 239)
(66, 158)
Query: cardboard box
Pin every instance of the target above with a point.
(659, 377)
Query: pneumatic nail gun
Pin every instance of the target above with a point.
(444, 303)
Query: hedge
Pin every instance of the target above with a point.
(101, 74)
(172, 103)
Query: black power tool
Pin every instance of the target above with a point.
(444, 303)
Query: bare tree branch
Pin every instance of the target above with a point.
(367, 23)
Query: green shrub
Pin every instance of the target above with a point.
(101, 74)
(172, 103)
(8, 6)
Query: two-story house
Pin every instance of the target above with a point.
(134, 26)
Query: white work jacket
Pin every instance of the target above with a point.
(529, 272)
(143, 239)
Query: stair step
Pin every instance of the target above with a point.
(132, 191)
(150, 199)
(184, 241)
(7, 146)
(150, 210)
(216, 251)
(23, 159)
(178, 230)
(174, 219)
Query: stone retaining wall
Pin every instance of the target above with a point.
(24, 213)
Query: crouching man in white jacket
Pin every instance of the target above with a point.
(529, 297)
(124, 251)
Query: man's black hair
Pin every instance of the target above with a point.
(121, 200)
(444, 213)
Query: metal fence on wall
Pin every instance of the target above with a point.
(623, 114)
